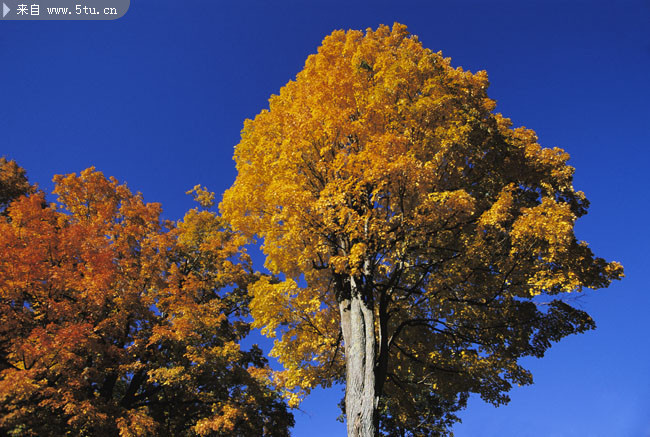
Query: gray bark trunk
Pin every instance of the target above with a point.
(358, 326)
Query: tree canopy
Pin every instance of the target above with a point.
(13, 182)
(115, 322)
(419, 245)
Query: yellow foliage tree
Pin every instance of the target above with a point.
(410, 230)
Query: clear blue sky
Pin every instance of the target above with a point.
(157, 99)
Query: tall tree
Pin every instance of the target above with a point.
(114, 322)
(421, 245)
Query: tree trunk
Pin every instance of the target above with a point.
(358, 326)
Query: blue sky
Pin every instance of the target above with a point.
(158, 98)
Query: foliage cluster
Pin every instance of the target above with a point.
(113, 322)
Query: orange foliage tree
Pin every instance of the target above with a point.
(421, 245)
(13, 182)
(113, 322)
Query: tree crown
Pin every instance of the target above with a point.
(113, 321)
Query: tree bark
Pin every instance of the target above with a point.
(361, 400)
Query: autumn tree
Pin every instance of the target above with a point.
(114, 322)
(13, 182)
(419, 245)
